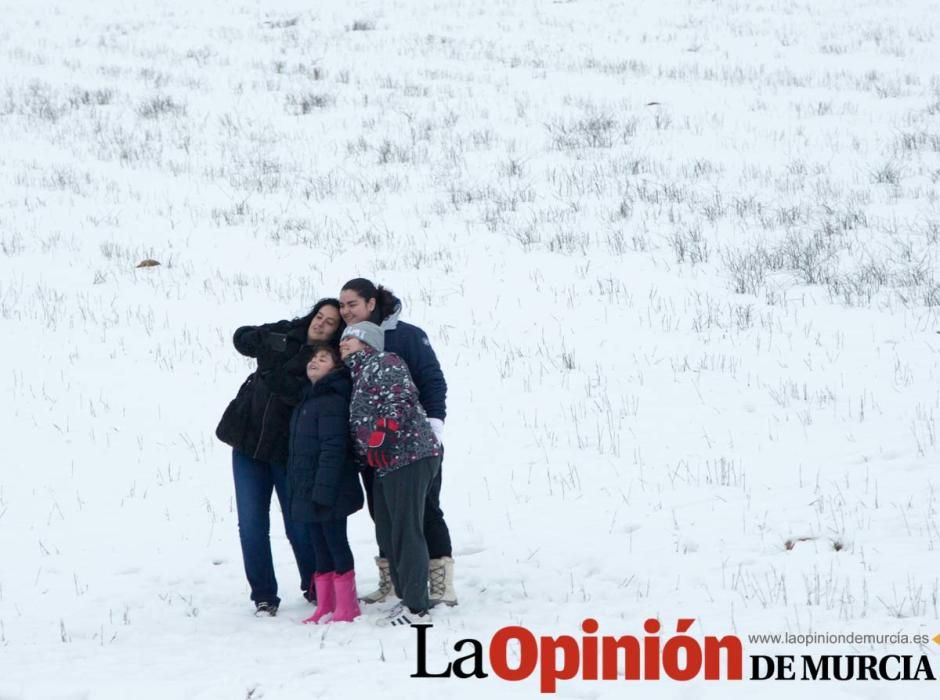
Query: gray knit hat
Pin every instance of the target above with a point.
(368, 333)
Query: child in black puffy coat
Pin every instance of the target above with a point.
(324, 483)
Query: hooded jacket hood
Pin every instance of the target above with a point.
(391, 321)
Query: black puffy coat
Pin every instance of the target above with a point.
(257, 421)
(322, 475)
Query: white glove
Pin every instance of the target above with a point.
(437, 426)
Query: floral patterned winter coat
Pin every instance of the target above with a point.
(382, 388)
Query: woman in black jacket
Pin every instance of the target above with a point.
(323, 480)
(256, 424)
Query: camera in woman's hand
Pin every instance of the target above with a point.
(276, 341)
(271, 354)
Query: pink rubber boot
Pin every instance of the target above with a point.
(347, 605)
(326, 598)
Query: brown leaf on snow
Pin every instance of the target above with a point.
(791, 543)
(148, 263)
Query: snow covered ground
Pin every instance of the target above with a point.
(679, 260)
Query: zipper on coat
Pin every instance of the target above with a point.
(264, 417)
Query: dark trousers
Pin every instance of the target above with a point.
(255, 481)
(436, 533)
(400, 498)
(331, 545)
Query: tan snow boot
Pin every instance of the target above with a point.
(385, 588)
(441, 581)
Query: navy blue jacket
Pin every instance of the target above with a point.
(411, 344)
(322, 474)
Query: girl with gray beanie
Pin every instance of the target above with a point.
(391, 436)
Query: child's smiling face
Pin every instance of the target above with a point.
(320, 365)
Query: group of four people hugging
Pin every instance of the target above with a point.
(347, 390)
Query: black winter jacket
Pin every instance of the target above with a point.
(411, 344)
(322, 476)
(257, 421)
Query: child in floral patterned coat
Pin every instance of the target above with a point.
(391, 435)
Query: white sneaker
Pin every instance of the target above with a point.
(400, 616)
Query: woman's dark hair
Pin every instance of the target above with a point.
(385, 301)
(329, 348)
(328, 301)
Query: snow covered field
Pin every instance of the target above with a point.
(679, 260)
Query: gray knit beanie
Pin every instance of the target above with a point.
(368, 333)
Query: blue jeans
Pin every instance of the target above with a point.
(331, 546)
(254, 483)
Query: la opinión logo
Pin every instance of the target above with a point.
(680, 657)
(515, 653)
